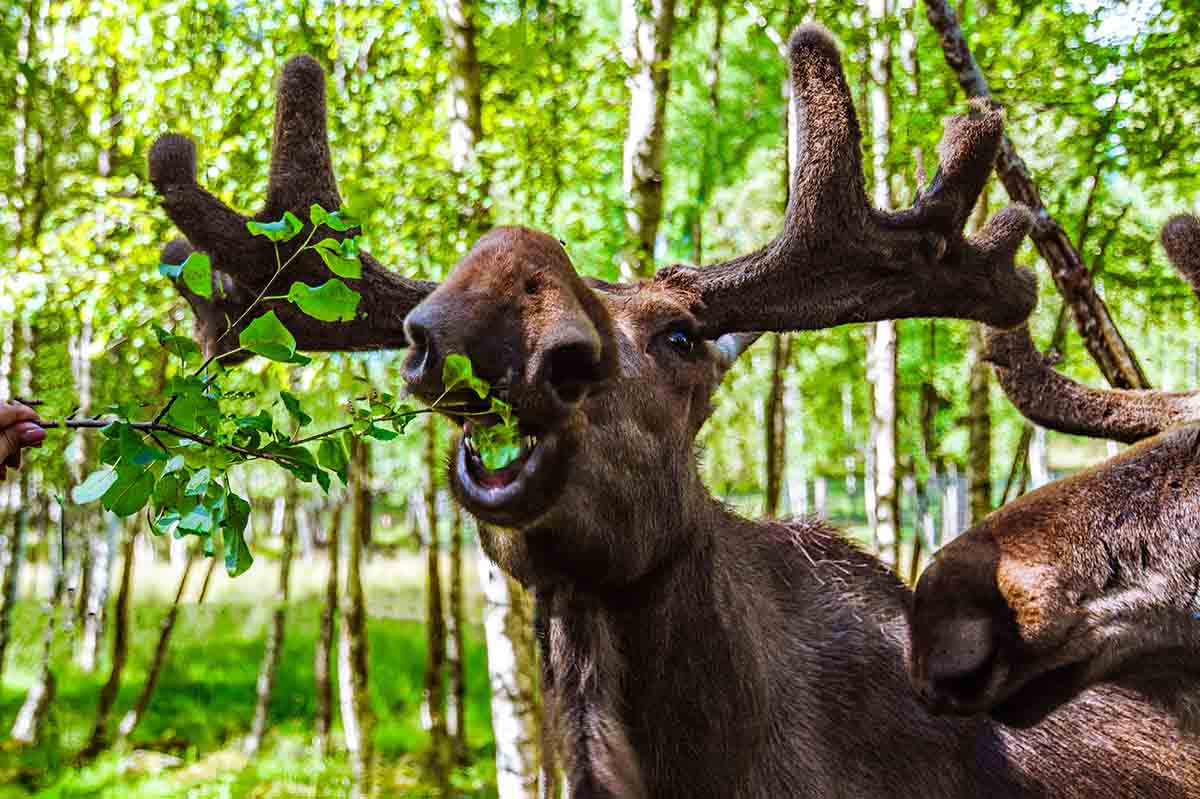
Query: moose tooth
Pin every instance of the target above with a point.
(530, 442)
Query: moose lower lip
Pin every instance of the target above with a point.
(498, 491)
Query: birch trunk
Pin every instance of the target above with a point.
(24, 344)
(357, 717)
(882, 336)
(27, 727)
(435, 620)
(134, 717)
(512, 673)
(457, 643)
(776, 423)
(98, 740)
(323, 723)
(269, 669)
(1092, 318)
(646, 30)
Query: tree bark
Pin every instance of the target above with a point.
(323, 723)
(711, 160)
(100, 562)
(457, 641)
(134, 717)
(27, 727)
(882, 337)
(1092, 318)
(512, 672)
(98, 740)
(509, 636)
(24, 344)
(435, 620)
(646, 47)
(357, 718)
(776, 423)
(269, 669)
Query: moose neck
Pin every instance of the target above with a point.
(632, 675)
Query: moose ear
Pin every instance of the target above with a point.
(731, 345)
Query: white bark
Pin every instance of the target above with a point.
(646, 47)
(882, 336)
(514, 690)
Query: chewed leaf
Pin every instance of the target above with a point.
(499, 445)
(340, 256)
(457, 372)
(267, 337)
(332, 301)
(284, 229)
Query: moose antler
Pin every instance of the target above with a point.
(1059, 403)
(301, 175)
(840, 260)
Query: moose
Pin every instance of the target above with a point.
(687, 651)
(1021, 613)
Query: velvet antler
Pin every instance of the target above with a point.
(840, 260)
(301, 174)
(1059, 403)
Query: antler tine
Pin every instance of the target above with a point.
(1056, 402)
(386, 300)
(838, 259)
(209, 224)
(301, 164)
(243, 264)
(1181, 240)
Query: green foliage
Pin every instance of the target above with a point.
(332, 301)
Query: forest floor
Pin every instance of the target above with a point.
(189, 742)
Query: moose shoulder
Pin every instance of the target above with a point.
(689, 652)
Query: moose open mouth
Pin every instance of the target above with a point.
(511, 492)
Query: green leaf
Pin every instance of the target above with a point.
(341, 257)
(332, 455)
(166, 523)
(317, 214)
(332, 301)
(498, 445)
(197, 274)
(266, 336)
(341, 221)
(457, 371)
(170, 270)
(284, 229)
(173, 465)
(198, 485)
(130, 492)
(237, 554)
(181, 347)
(381, 434)
(293, 408)
(95, 486)
(198, 520)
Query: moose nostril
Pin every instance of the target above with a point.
(961, 665)
(421, 350)
(572, 368)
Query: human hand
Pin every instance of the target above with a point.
(18, 428)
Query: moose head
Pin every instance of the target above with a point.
(612, 382)
(1093, 577)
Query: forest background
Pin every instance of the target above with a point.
(370, 649)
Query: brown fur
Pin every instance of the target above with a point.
(1091, 578)
(694, 653)
(690, 652)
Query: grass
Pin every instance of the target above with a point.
(205, 698)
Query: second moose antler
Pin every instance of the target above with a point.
(840, 260)
(1094, 577)
(301, 175)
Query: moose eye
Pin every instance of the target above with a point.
(681, 341)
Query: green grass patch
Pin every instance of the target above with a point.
(203, 706)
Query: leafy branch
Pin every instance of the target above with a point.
(176, 464)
